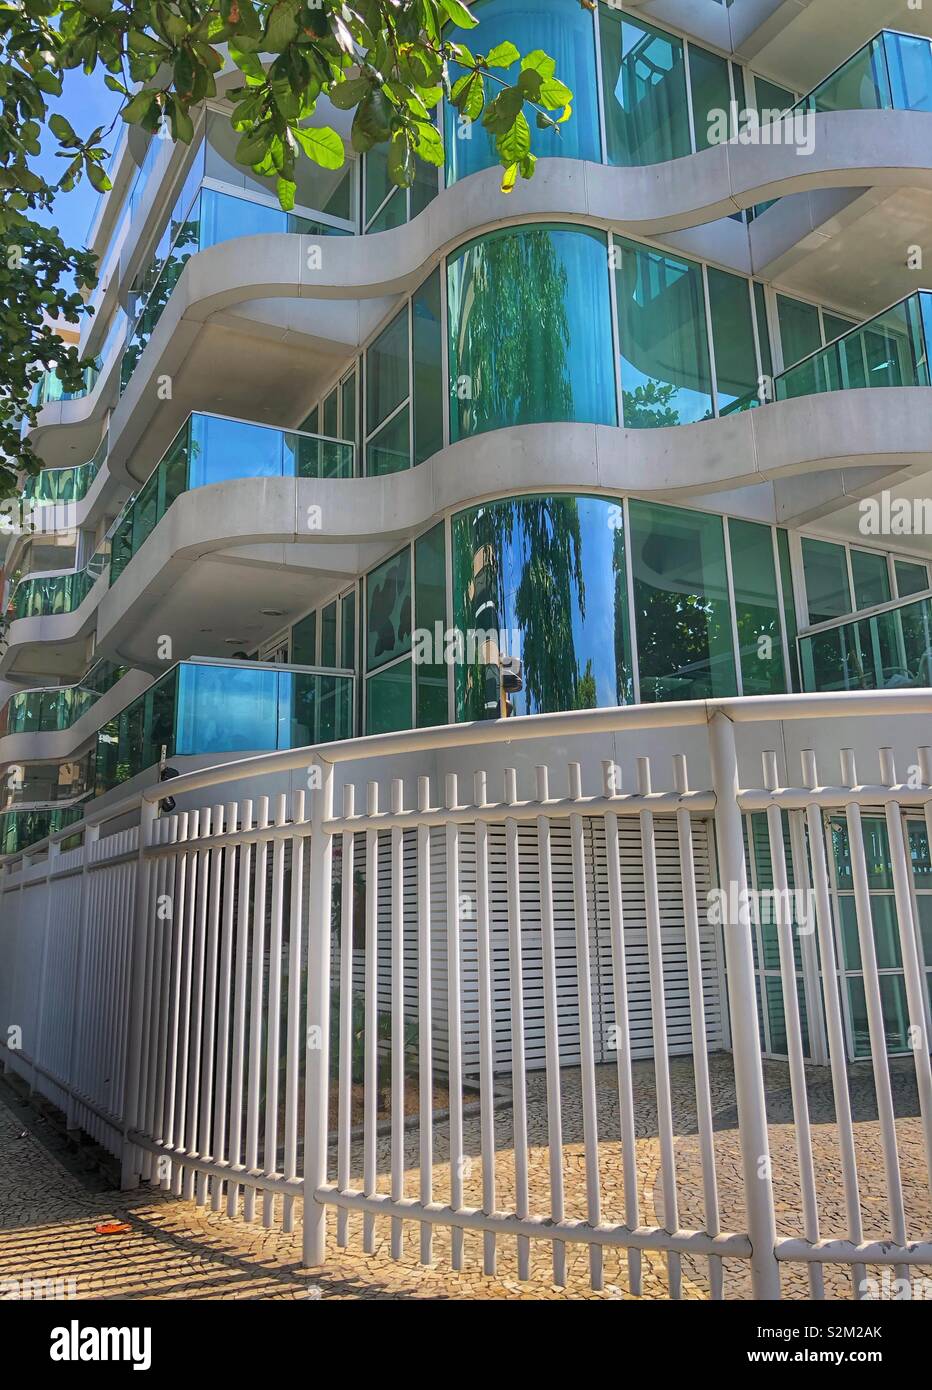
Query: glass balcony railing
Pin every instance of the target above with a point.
(198, 707)
(889, 350)
(891, 73)
(888, 647)
(20, 829)
(213, 449)
(50, 387)
(50, 594)
(65, 484)
(224, 708)
(58, 707)
(213, 217)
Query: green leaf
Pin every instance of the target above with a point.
(509, 177)
(539, 61)
(254, 145)
(286, 192)
(62, 129)
(400, 161)
(322, 144)
(349, 93)
(502, 56)
(429, 144)
(515, 144)
(282, 28)
(554, 93)
(372, 123)
(457, 11)
(247, 62)
(97, 176)
(136, 110)
(500, 114)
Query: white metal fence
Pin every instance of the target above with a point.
(431, 1007)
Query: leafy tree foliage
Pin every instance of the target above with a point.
(385, 60)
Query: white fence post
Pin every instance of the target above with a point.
(141, 926)
(742, 1000)
(317, 1043)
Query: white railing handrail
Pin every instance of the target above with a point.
(744, 709)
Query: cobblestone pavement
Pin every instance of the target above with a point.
(174, 1249)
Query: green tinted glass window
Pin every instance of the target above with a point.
(304, 641)
(389, 450)
(732, 336)
(666, 378)
(348, 631)
(387, 371)
(388, 610)
(388, 700)
(871, 578)
(428, 369)
(430, 611)
(834, 326)
(711, 95)
(530, 334)
(800, 333)
(330, 427)
(757, 608)
(763, 329)
(348, 409)
(328, 635)
(911, 577)
(825, 567)
(681, 608)
(789, 604)
(643, 92)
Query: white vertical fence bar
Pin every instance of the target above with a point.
(345, 1079)
(916, 997)
(141, 930)
(208, 827)
(425, 1022)
(611, 777)
(486, 1006)
(454, 1020)
(658, 1016)
(742, 999)
(317, 1056)
(273, 1021)
(293, 1044)
(704, 1123)
(874, 1004)
(225, 993)
(586, 1028)
(371, 1025)
(240, 1004)
(551, 1033)
(516, 998)
(834, 1021)
(176, 1002)
(192, 829)
(397, 1018)
(794, 1034)
(208, 1039)
(256, 1004)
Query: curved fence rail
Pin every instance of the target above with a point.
(515, 1025)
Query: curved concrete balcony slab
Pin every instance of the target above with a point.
(53, 744)
(262, 540)
(52, 643)
(851, 149)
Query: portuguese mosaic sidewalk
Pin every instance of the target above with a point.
(50, 1203)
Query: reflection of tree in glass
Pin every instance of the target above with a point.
(514, 332)
(389, 613)
(544, 535)
(648, 407)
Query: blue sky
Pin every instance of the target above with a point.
(87, 103)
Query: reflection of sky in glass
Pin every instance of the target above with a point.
(224, 449)
(226, 709)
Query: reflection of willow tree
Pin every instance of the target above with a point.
(624, 682)
(514, 333)
(545, 532)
